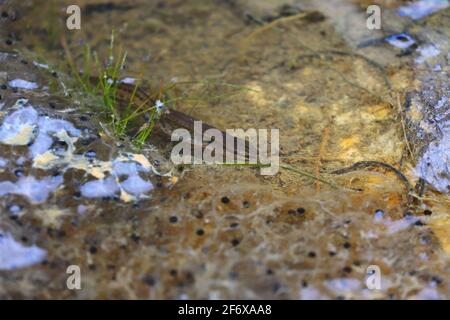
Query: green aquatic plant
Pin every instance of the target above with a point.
(108, 83)
(102, 84)
(145, 131)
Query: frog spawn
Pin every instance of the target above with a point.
(24, 126)
(132, 186)
(49, 144)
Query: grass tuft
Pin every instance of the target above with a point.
(104, 89)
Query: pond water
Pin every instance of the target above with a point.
(363, 120)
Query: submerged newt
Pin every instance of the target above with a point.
(172, 119)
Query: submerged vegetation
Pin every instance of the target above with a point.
(105, 89)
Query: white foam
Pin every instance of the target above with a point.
(40, 65)
(37, 191)
(422, 8)
(310, 293)
(394, 226)
(434, 165)
(23, 84)
(14, 255)
(136, 185)
(81, 209)
(128, 80)
(428, 294)
(21, 160)
(18, 127)
(47, 128)
(427, 52)
(343, 285)
(100, 188)
(127, 168)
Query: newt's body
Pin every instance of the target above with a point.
(170, 119)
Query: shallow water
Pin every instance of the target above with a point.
(139, 227)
